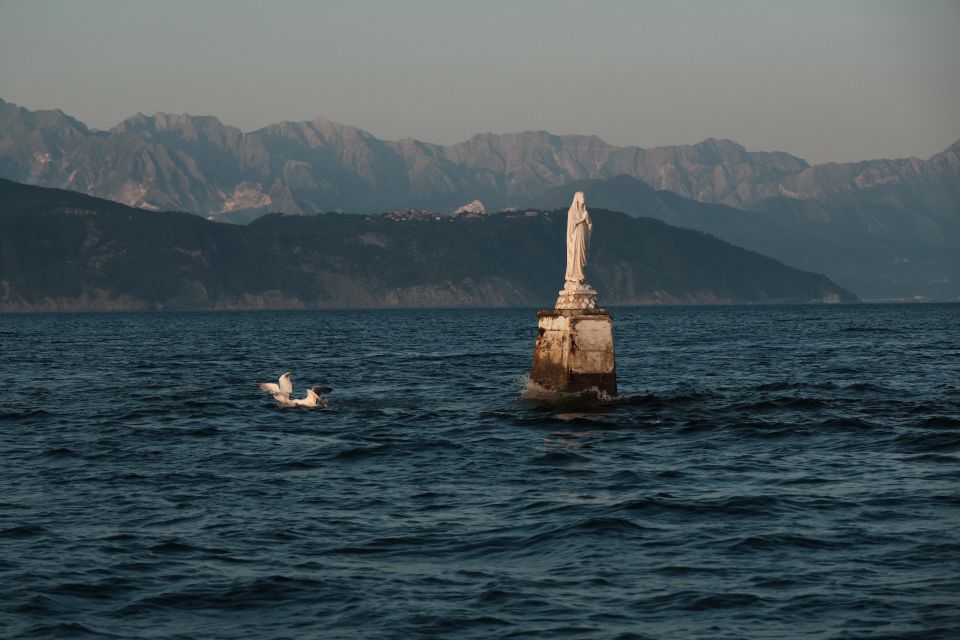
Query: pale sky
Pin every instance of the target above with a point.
(824, 80)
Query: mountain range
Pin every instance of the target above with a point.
(198, 164)
(885, 228)
(63, 250)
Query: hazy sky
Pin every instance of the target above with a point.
(824, 80)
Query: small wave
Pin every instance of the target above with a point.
(208, 404)
(59, 452)
(40, 606)
(769, 429)
(940, 422)
(782, 541)
(93, 591)
(593, 397)
(802, 481)
(851, 424)
(493, 596)
(733, 506)
(930, 409)
(610, 526)
(533, 392)
(200, 432)
(432, 625)
(119, 537)
(790, 386)
(174, 546)
(144, 412)
(24, 415)
(778, 386)
(723, 601)
(290, 465)
(929, 442)
(691, 600)
(231, 597)
(439, 444)
(661, 400)
(359, 453)
(808, 603)
(684, 570)
(483, 356)
(69, 630)
(802, 403)
(23, 531)
(923, 552)
(624, 475)
(938, 458)
(558, 458)
(866, 386)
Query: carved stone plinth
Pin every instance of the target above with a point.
(574, 350)
(577, 296)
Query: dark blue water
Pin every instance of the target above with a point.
(773, 472)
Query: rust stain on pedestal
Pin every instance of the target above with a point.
(574, 351)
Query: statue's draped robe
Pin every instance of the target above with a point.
(579, 227)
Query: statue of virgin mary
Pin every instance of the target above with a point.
(579, 227)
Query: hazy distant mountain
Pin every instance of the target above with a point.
(887, 241)
(198, 164)
(65, 250)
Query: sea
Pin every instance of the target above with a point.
(779, 472)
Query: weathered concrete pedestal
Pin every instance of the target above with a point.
(574, 349)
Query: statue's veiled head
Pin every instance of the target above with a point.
(578, 199)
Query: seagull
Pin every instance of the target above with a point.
(284, 388)
(312, 400)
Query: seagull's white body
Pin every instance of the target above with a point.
(312, 400)
(283, 388)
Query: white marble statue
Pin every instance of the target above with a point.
(576, 293)
(579, 227)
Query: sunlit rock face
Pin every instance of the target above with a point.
(471, 208)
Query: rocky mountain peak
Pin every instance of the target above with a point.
(12, 115)
(719, 151)
(182, 127)
(139, 123)
(197, 163)
(471, 208)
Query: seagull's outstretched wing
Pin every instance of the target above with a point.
(286, 386)
(270, 387)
